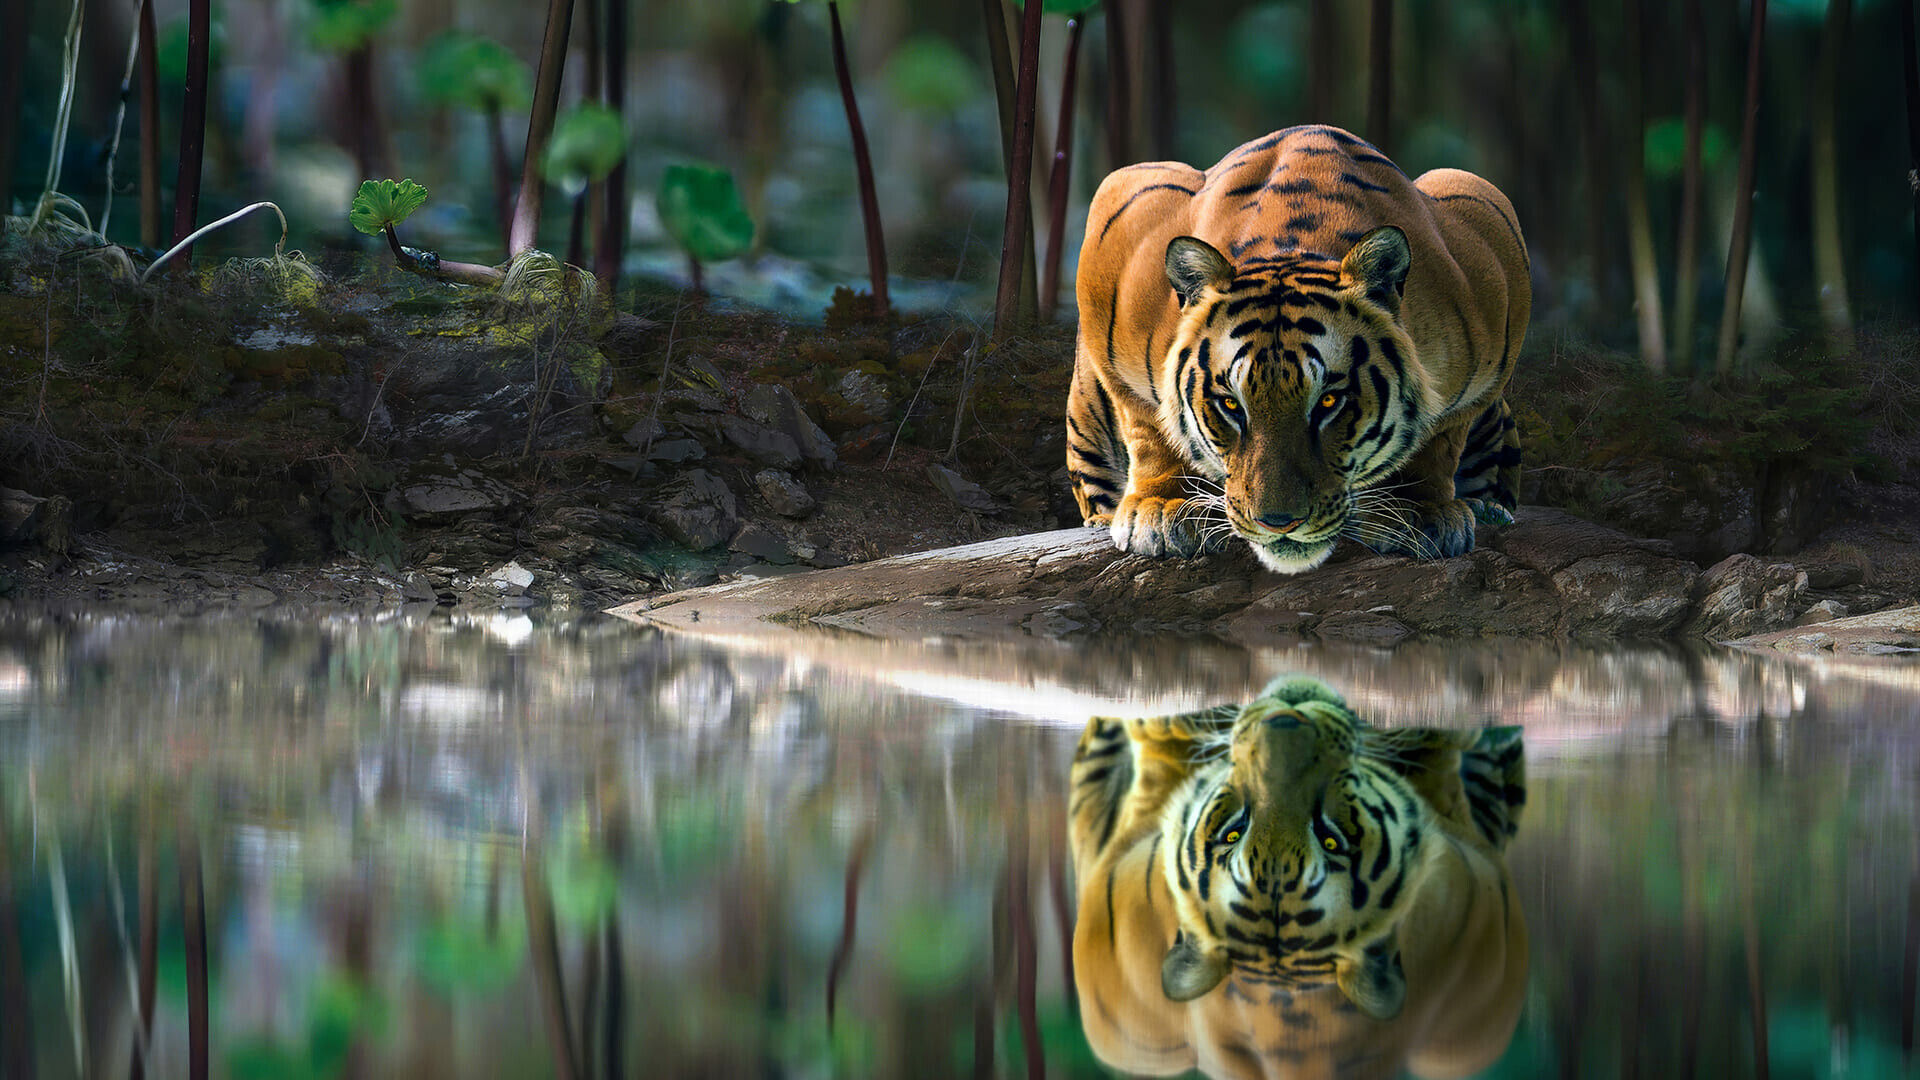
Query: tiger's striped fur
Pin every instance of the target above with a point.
(1281, 890)
(1331, 357)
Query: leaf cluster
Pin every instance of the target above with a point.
(471, 72)
(702, 210)
(380, 203)
(346, 25)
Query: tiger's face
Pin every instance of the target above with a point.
(1294, 386)
(1295, 862)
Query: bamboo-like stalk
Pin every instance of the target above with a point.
(1646, 268)
(147, 886)
(149, 130)
(193, 124)
(1059, 175)
(119, 124)
(16, 1050)
(1686, 261)
(611, 240)
(1910, 65)
(502, 171)
(849, 917)
(1829, 262)
(524, 233)
(15, 24)
(1741, 244)
(193, 917)
(543, 944)
(1018, 231)
(1119, 88)
(1320, 47)
(1380, 75)
(862, 164)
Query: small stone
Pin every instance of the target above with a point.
(511, 579)
(961, 490)
(1822, 612)
(697, 510)
(776, 407)
(462, 493)
(675, 451)
(762, 543)
(763, 444)
(416, 586)
(644, 432)
(787, 496)
(865, 391)
(1804, 642)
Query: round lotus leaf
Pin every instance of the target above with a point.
(588, 141)
(473, 72)
(702, 211)
(345, 25)
(928, 73)
(381, 203)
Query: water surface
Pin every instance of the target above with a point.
(491, 845)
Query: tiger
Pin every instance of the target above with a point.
(1296, 345)
(1279, 889)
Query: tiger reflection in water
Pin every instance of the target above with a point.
(1280, 890)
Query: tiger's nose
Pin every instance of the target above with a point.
(1279, 523)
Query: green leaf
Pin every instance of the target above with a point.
(345, 25)
(588, 141)
(1064, 7)
(473, 72)
(381, 203)
(1666, 147)
(929, 74)
(702, 211)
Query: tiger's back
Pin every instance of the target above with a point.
(1295, 202)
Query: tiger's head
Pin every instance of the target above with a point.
(1294, 385)
(1295, 859)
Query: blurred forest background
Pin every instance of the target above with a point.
(1578, 111)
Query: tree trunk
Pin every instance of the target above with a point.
(193, 126)
(863, 167)
(1829, 263)
(1320, 34)
(1018, 234)
(1586, 81)
(193, 918)
(14, 24)
(525, 232)
(149, 76)
(611, 242)
(1119, 88)
(1686, 263)
(1161, 102)
(1912, 64)
(1380, 76)
(1739, 246)
(1059, 176)
(1646, 266)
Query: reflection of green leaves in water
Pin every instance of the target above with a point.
(587, 142)
(380, 203)
(458, 957)
(1800, 1042)
(804, 1048)
(930, 948)
(928, 74)
(345, 25)
(702, 211)
(690, 835)
(458, 68)
(585, 886)
(340, 1012)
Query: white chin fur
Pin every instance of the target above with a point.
(1296, 559)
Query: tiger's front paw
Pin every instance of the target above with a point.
(1159, 527)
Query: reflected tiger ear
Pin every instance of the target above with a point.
(1189, 971)
(1193, 265)
(1379, 263)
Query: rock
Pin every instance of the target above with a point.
(761, 443)
(1624, 595)
(776, 407)
(962, 491)
(1896, 630)
(1834, 575)
(697, 510)
(1805, 643)
(762, 543)
(675, 451)
(866, 392)
(1822, 612)
(446, 495)
(511, 579)
(1742, 595)
(787, 496)
(1364, 627)
(644, 432)
(416, 586)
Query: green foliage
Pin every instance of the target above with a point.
(461, 959)
(1064, 7)
(702, 211)
(928, 74)
(381, 203)
(1263, 51)
(339, 1012)
(1666, 147)
(931, 949)
(588, 142)
(170, 51)
(585, 886)
(346, 25)
(473, 72)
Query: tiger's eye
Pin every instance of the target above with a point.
(1232, 837)
(1327, 402)
(1230, 405)
(1330, 844)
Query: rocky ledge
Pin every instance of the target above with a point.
(1551, 574)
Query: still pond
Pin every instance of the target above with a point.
(494, 845)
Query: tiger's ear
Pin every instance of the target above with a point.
(1190, 971)
(1379, 263)
(1193, 265)
(1375, 983)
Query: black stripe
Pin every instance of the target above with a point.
(1354, 180)
(1123, 206)
(1495, 207)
